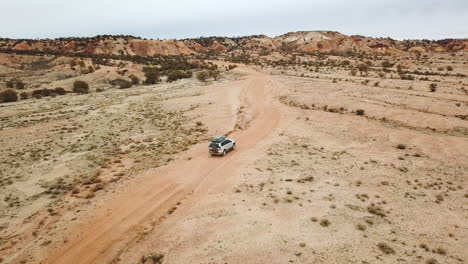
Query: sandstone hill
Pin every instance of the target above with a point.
(302, 41)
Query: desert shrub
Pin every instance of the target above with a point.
(376, 210)
(60, 91)
(361, 227)
(387, 64)
(385, 248)
(10, 84)
(449, 68)
(15, 83)
(203, 76)
(401, 146)
(154, 258)
(353, 72)
(80, 87)
(176, 75)
(362, 68)
(46, 92)
(232, 66)
(9, 96)
(151, 75)
(440, 251)
(124, 84)
(324, 222)
(433, 87)
(360, 112)
(19, 84)
(24, 95)
(135, 80)
(214, 74)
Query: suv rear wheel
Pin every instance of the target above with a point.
(224, 152)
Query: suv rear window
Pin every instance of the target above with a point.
(214, 145)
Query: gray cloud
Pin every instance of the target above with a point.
(187, 18)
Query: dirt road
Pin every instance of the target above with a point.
(152, 196)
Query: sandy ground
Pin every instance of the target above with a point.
(310, 182)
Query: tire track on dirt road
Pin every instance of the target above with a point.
(116, 223)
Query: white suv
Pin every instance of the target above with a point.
(221, 145)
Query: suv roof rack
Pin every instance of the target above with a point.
(218, 139)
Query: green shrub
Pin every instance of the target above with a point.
(80, 87)
(385, 248)
(24, 95)
(203, 76)
(176, 75)
(10, 84)
(360, 112)
(9, 96)
(151, 75)
(124, 84)
(60, 91)
(135, 80)
(214, 74)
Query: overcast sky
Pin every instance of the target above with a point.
(399, 19)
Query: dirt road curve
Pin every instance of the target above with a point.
(151, 196)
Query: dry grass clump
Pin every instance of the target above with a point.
(325, 223)
(361, 227)
(385, 248)
(153, 258)
(401, 146)
(360, 112)
(376, 210)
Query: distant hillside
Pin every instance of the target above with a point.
(302, 41)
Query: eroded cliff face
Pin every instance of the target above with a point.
(302, 41)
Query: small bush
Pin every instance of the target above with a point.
(376, 210)
(360, 112)
(60, 91)
(80, 87)
(324, 222)
(214, 74)
(360, 227)
(385, 248)
(152, 75)
(401, 146)
(9, 96)
(203, 76)
(449, 68)
(433, 87)
(10, 84)
(176, 75)
(24, 95)
(135, 80)
(124, 84)
(440, 251)
(154, 258)
(232, 66)
(19, 84)
(46, 92)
